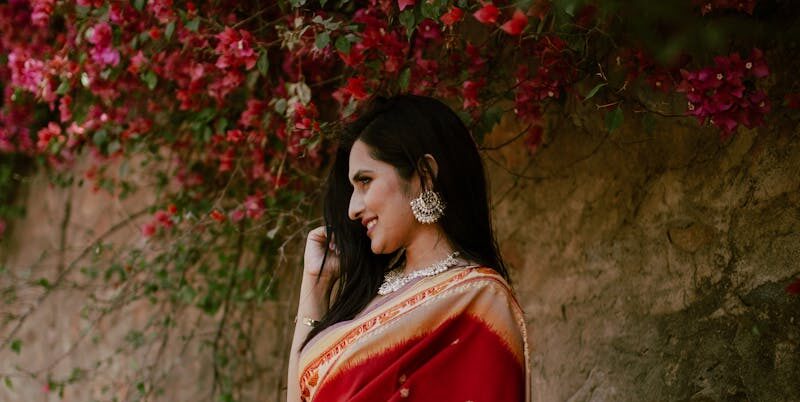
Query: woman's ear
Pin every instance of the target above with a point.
(429, 169)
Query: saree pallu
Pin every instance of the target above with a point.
(457, 336)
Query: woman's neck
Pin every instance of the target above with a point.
(428, 247)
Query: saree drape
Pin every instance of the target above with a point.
(457, 336)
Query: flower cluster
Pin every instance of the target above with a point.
(725, 94)
(710, 6)
(554, 70)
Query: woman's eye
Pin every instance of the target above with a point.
(364, 180)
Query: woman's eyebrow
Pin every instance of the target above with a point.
(359, 174)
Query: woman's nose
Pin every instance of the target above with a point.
(355, 207)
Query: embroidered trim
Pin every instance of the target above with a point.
(310, 374)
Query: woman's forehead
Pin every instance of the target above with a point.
(360, 159)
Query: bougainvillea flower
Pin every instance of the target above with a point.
(469, 91)
(254, 205)
(148, 229)
(137, 62)
(516, 24)
(794, 288)
(235, 48)
(217, 216)
(402, 4)
(756, 64)
(429, 29)
(252, 114)
(355, 87)
(487, 14)
(720, 95)
(452, 16)
(42, 9)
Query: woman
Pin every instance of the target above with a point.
(421, 307)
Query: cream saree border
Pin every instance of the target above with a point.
(320, 359)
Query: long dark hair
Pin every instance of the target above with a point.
(399, 131)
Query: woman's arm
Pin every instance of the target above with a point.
(313, 304)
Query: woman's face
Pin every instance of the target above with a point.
(380, 200)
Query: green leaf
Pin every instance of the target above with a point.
(43, 282)
(138, 4)
(151, 79)
(193, 25)
(297, 3)
(614, 119)
(322, 40)
(280, 106)
(16, 345)
(221, 125)
(342, 45)
(114, 146)
(407, 20)
(169, 30)
(100, 137)
(594, 90)
(263, 63)
(9, 385)
(63, 88)
(405, 77)
(430, 10)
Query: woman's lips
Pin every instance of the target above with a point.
(371, 225)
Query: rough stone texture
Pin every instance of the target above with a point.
(651, 266)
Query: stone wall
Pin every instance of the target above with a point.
(651, 265)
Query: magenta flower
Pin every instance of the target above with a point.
(725, 94)
(235, 49)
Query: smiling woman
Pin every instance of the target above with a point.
(423, 309)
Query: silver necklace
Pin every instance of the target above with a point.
(395, 279)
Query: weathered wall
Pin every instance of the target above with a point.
(651, 267)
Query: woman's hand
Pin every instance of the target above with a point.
(316, 242)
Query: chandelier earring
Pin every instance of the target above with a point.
(428, 207)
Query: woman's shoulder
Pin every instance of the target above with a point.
(480, 277)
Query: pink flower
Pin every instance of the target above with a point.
(253, 113)
(470, 93)
(487, 14)
(101, 37)
(794, 288)
(452, 16)
(402, 4)
(516, 24)
(63, 108)
(235, 49)
(756, 64)
(355, 87)
(428, 29)
(42, 9)
(237, 215)
(148, 229)
(254, 205)
(234, 136)
(137, 62)
(46, 134)
(719, 94)
(163, 219)
(162, 10)
(217, 216)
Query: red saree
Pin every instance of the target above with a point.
(458, 336)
